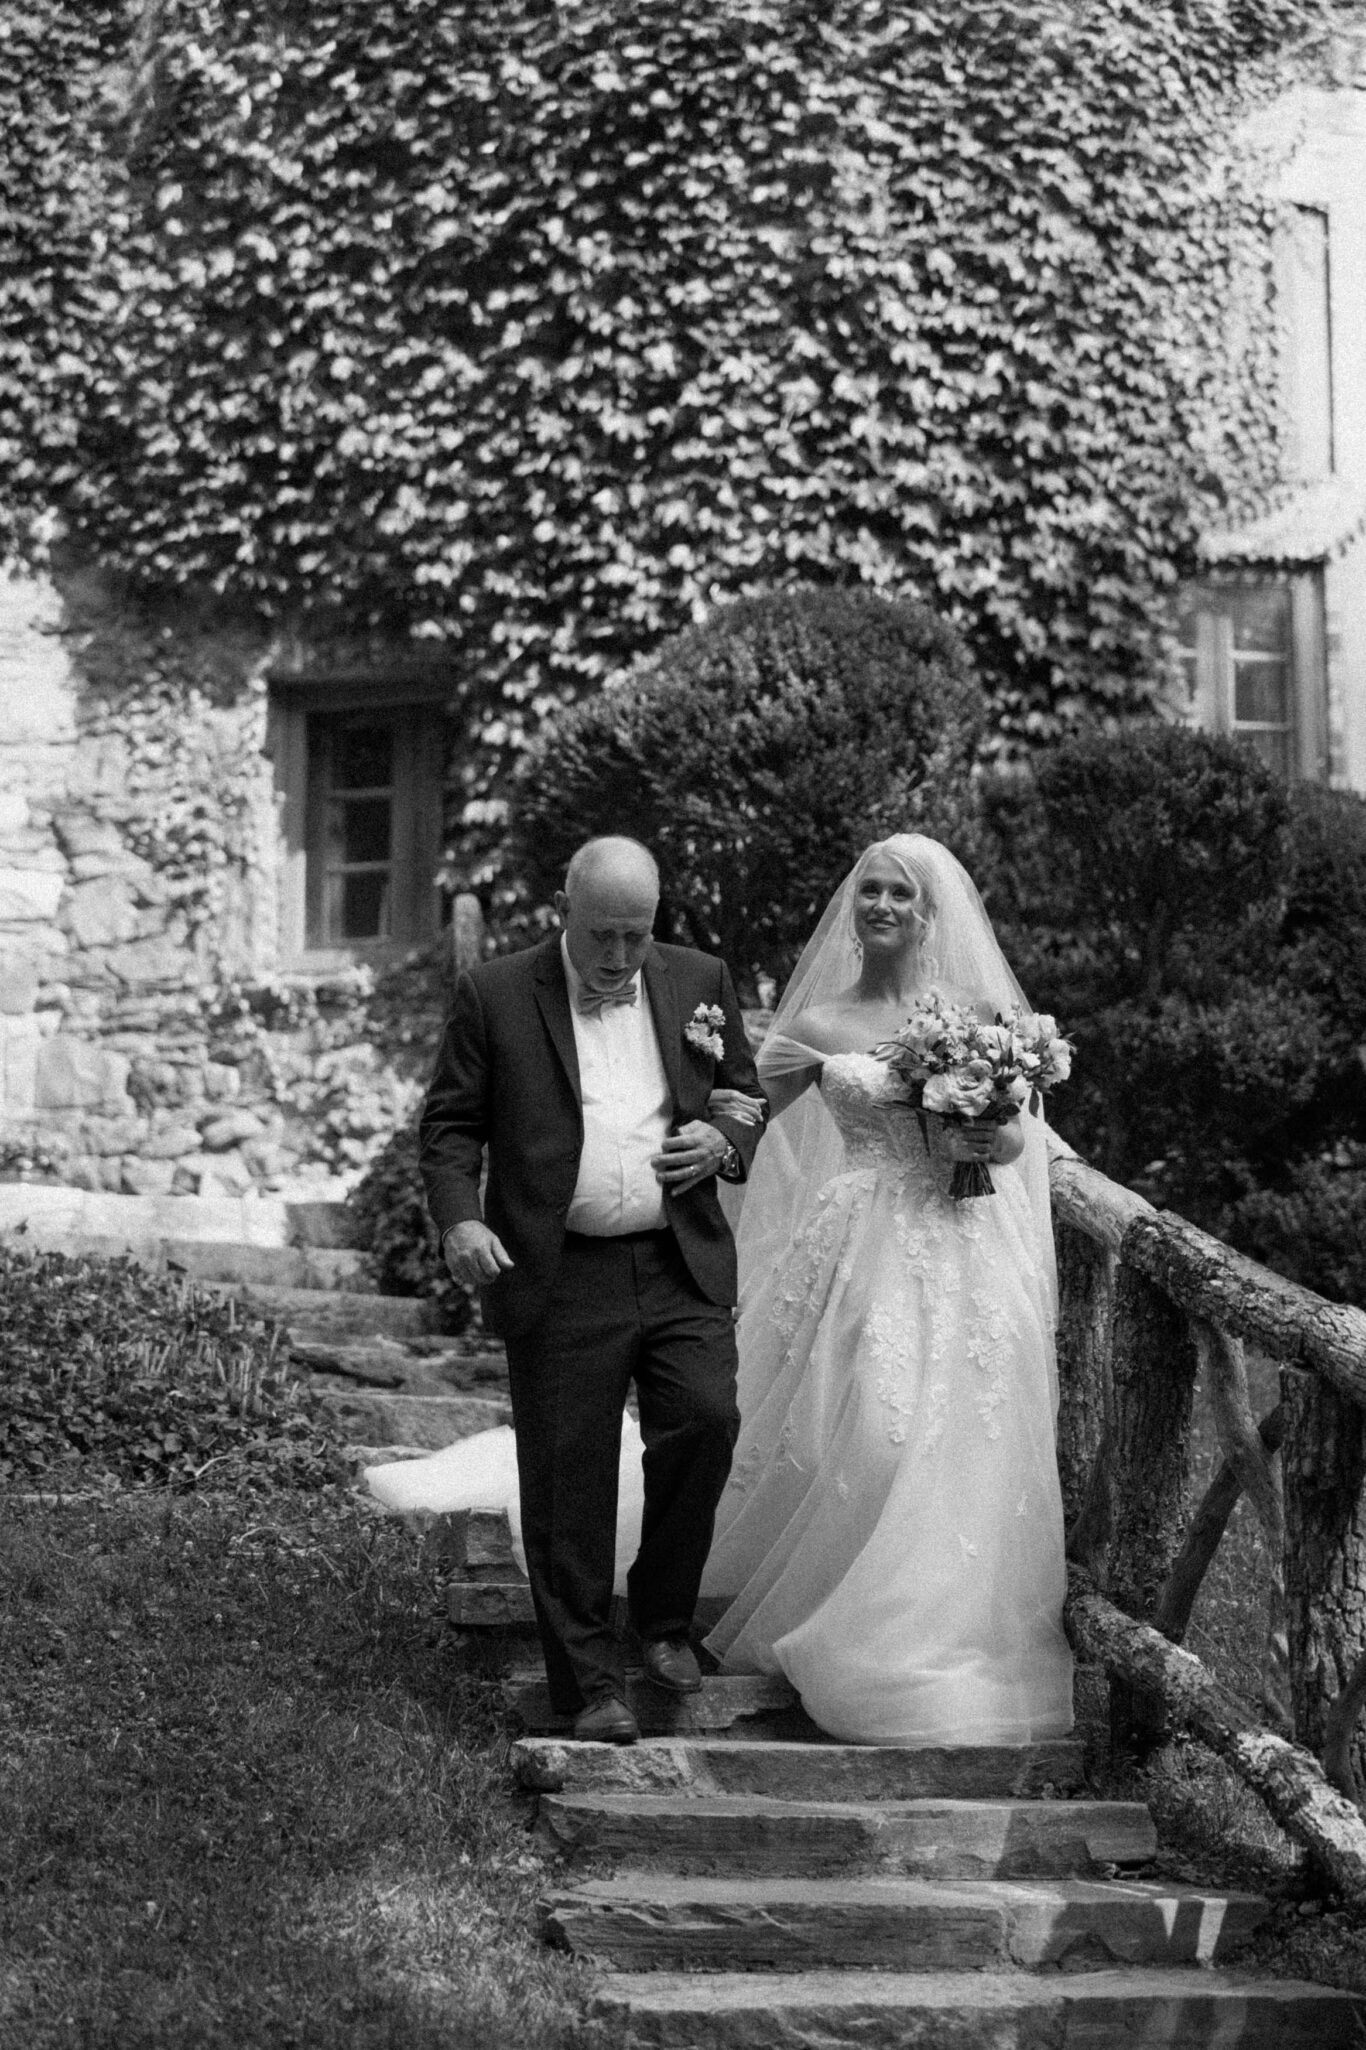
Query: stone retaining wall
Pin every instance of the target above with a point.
(138, 852)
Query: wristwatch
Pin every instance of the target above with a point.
(729, 1167)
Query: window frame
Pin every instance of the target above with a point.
(1210, 663)
(418, 708)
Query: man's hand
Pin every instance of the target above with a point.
(690, 1154)
(474, 1254)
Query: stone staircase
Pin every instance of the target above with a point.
(753, 1893)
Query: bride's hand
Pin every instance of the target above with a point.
(733, 1103)
(967, 1141)
(980, 1140)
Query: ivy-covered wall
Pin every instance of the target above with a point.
(536, 328)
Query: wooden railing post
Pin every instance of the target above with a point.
(1085, 1310)
(1154, 1364)
(1183, 1301)
(1323, 1467)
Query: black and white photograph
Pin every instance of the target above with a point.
(682, 1024)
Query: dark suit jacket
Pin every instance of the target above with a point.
(507, 1079)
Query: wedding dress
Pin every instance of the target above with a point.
(892, 1531)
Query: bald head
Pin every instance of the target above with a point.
(614, 859)
(608, 905)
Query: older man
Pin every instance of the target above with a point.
(584, 1067)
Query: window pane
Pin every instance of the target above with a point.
(364, 834)
(364, 907)
(363, 758)
(1260, 694)
(1261, 619)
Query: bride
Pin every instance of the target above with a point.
(891, 1538)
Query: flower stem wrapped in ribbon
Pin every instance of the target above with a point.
(968, 1072)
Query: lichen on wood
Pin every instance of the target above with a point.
(1288, 1779)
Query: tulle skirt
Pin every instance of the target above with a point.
(891, 1538)
(481, 1473)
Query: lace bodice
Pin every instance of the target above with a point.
(867, 1102)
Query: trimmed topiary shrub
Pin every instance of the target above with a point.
(1168, 838)
(756, 755)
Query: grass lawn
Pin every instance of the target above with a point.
(250, 1794)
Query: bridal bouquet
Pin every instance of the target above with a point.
(971, 1073)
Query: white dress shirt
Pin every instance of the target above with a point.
(627, 1113)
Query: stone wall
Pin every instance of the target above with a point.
(145, 1044)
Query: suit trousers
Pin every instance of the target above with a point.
(620, 1310)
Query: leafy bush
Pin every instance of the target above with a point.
(1169, 837)
(1323, 931)
(1202, 932)
(1311, 1228)
(1181, 1097)
(111, 1372)
(394, 1231)
(756, 755)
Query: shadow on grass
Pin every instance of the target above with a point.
(250, 1795)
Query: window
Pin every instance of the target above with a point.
(1252, 654)
(352, 814)
(360, 788)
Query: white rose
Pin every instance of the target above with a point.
(1059, 1059)
(957, 1094)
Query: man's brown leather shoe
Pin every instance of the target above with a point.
(606, 1721)
(671, 1663)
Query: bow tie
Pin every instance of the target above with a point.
(593, 1002)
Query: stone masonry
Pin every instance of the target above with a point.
(119, 1069)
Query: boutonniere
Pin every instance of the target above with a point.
(703, 1030)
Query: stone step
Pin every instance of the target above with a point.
(319, 1221)
(724, 1702)
(927, 1925)
(237, 1263)
(1186, 2009)
(51, 1215)
(826, 1771)
(337, 1316)
(750, 1833)
(371, 1416)
(416, 1366)
(513, 1605)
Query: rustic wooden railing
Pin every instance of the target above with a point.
(1149, 1305)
